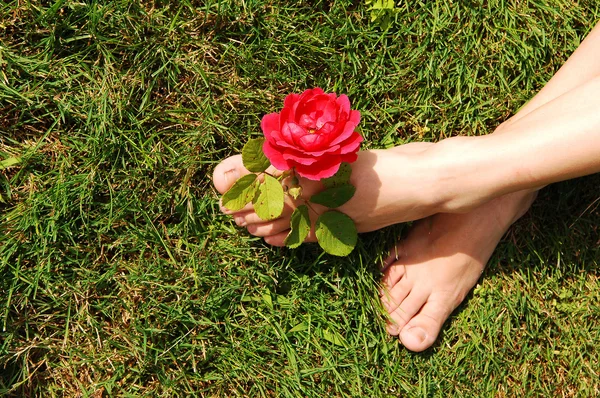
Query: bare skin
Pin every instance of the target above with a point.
(475, 187)
(453, 248)
(431, 271)
(439, 262)
(373, 206)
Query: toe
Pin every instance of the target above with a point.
(228, 172)
(277, 239)
(269, 228)
(240, 219)
(416, 338)
(392, 257)
(251, 217)
(393, 296)
(407, 309)
(422, 330)
(393, 274)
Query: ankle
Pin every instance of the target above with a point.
(466, 172)
(451, 191)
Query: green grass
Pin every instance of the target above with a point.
(119, 276)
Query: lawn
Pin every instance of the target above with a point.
(120, 277)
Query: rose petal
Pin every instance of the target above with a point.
(349, 157)
(276, 136)
(294, 113)
(324, 168)
(293, 132)
(326, 148)
(330, 149)
(269, 123)
(316, 91)
(316, 152)
(290, 100)
(312, 142)
(315, 94)
(347, 132)
(329, 114)
(354, 117)
(352, 144)
(313, 107)
(284, 144)
(298, 157)
(318, 100)
(343, 103)
(286, 115)
(307, 121)
(275, 156)
(308, 94)
(327, 128)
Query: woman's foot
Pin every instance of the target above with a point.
(429, 274)
(388, 184)
(437, 264)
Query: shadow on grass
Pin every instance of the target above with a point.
(565, 220)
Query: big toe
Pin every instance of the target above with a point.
(423, 329)
(228, 172)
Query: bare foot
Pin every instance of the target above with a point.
(388, 184)
(429, 273)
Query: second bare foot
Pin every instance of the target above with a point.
(430, 272)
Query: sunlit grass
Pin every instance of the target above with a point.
(119, 276)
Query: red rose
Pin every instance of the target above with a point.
(313, 133)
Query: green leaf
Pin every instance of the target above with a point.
(9, 162)
(335, 196)
(382, 12)
(268, 204)
(301, 327)
(253, 156)
(241, 193)
(382, 5)
(336, 233)
(333, 337)
(341, 177)
(268, 300)
(300, 224)
(295, 192)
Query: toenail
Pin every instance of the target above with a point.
(417, 332)
(232, 175)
